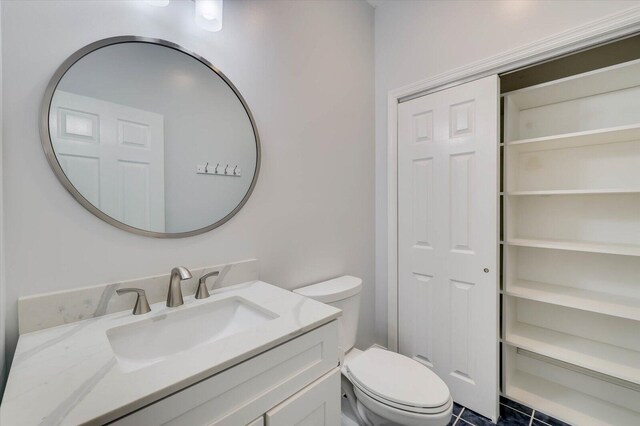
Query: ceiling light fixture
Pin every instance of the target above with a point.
(158, 3)
(208, 14)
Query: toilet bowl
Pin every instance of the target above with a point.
(392, 389)
(382, 387)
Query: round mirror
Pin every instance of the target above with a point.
(149, 137)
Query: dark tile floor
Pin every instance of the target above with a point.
(511, 414)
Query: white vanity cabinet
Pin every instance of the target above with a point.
(297, 382)
(316, 405)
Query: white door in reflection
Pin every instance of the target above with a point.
(114, 156)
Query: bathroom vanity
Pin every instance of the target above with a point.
(250, 354)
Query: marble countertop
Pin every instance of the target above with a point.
(69, 375)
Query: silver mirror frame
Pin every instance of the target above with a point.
(47, 144)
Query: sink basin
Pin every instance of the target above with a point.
(152, 340)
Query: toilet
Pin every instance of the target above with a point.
(383, 388)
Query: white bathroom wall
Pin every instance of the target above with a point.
(306, 70)
(415, 40)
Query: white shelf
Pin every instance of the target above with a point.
(609, 79)
(601, 357)
(566, 403)
(604, 303)
(579, 139)
(612, 191)
(618, 249)
(570, 179)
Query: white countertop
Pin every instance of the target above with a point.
(69, 375)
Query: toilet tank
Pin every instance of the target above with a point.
(342, 293)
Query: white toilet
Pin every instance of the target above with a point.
(383, 387)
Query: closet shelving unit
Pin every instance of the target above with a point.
(571, 249)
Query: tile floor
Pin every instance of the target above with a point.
(511, 414)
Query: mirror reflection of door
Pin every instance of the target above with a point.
(114, 154)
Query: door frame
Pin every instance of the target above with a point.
(609, 28)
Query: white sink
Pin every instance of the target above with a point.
(152, 340)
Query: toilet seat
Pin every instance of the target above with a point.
(399, 382)
(401, 407)
(377, 413)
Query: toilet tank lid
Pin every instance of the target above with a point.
(332, 290)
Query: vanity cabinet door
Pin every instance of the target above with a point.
(257, 422)
(316, 405)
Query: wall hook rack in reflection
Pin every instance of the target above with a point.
(233, 171)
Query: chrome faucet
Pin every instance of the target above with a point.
(142, 305)
(202, 292)
(174, 297)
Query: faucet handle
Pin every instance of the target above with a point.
(203, 292)
(142, 305)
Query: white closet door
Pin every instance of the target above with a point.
(114, 155)
(447, 238)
